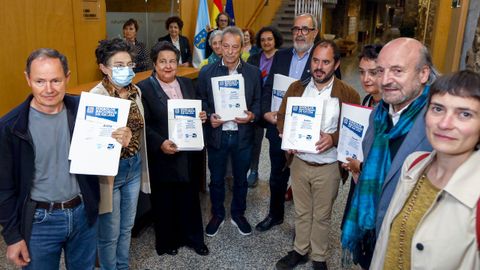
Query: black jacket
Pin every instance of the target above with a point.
(17, 166)
(281, 65)
(163, 167)
(185, 51)
(253, 88)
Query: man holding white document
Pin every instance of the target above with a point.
(45, 209)
(293, 62)
(230, 92)
(316, 176)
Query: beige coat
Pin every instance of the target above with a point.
(445, 237)
(106, 182)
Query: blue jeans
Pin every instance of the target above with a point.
(114, 229)
(217, 163)
(59, 229)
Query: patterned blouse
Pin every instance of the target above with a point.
(142, 61)
(135, 118)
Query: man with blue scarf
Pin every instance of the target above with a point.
(397, 128)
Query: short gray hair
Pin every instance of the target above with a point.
(314, 20)
(233, 30)
(214, 34)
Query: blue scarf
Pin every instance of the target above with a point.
(362, 214)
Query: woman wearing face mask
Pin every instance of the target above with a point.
(430, 222)
(119, 194)
(174, 26)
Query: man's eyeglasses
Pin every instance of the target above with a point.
(304, 30)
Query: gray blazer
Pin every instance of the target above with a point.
(416, 140)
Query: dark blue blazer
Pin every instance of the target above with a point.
(281, 65)
(253, 86)
(163, 167)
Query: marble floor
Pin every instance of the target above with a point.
(229, 249)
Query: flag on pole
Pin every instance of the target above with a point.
(229, 10)
(216, 9)
(200, 39)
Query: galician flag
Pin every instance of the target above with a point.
(200, 39)
(216, 9)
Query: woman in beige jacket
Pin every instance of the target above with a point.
(430, 223)
(119, 194)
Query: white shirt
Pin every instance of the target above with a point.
(396, 115)
(331, 113)
(176, 43)
(231, 125)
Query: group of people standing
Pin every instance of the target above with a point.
(406, 209)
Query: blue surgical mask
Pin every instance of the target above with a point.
(122, 76)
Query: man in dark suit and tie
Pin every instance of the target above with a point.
(293, 62)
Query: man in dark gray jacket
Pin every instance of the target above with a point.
(44, 208)
(229, 138)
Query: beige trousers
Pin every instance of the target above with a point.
(314, 192)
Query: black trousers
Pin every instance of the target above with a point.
(177, 215)
(279, 174)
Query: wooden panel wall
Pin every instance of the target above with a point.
(29, 24)
(243, 13)
(449, 28)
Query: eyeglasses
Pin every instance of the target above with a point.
(122, 65)
(304, 30)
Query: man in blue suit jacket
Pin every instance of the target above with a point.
(229, 138)
(405, 71)
(293, 62)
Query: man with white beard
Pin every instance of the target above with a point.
(293, 62)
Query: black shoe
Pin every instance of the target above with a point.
(242, 224)
(172, 252)
(268, 223)
(319, 265)
(202, 250)
(290, 261)
(213, 225)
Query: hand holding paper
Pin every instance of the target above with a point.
(123, 135)
(215, 120)
(245, 120)
(203, 116)
(168, 147)
(325, 142)
(271, 117)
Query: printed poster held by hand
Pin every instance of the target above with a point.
(303, 122)
(229, 96)
(92, 149)
(184, 124)
(280, 87)
(354, 125)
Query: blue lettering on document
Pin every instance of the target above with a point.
(304, 110)
(353, 126)
(278, 93)
(230, 84)
(110, 114)
(185, 112)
